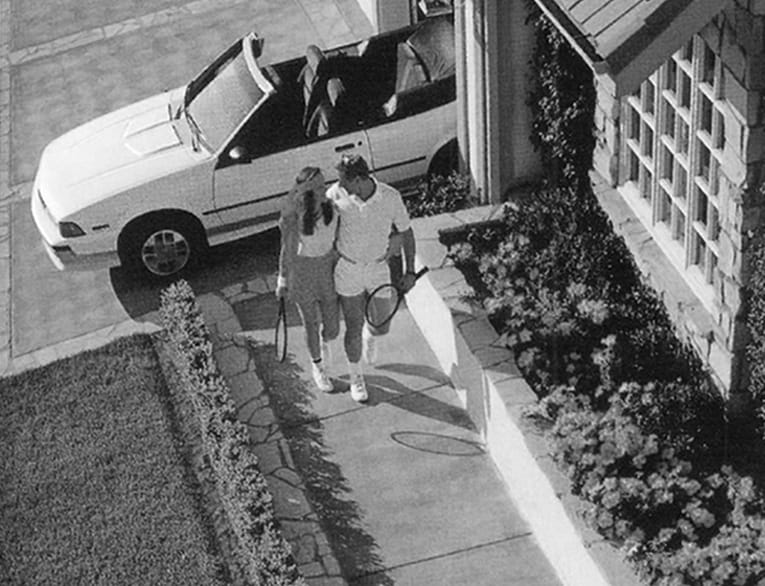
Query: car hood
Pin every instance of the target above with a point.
(114, 153)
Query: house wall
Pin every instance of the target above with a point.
(737, 36)
(495, 45)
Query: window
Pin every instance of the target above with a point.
(648, 96)
(683, 133)
(673, 139)
(647, 142)
(685, 90)
(708, 64)
(705, 161)
(670, 76)
(705, 122)
(718, 129)
(667, 164)
(668, 126)
(686, 53)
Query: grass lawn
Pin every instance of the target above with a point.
(93, 486)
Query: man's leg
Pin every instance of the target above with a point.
(353, 312)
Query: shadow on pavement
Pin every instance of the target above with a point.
(226, 265)
(384, 389)
(327, 487)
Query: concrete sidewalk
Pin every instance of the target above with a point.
(438, 479)
(401, 489)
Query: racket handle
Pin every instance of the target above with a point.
(421, 272)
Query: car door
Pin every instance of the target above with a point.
(416, 122)
(253, 175)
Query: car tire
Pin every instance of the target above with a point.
(445, 161)
(162, 247)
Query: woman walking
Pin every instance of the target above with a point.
(307, 258)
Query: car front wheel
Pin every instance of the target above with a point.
(163, 247)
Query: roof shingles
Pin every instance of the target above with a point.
(613, 34)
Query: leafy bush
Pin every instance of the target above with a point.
(755, 320)
(441, 194)
(562, 102)
(263, 553)
(679, 525)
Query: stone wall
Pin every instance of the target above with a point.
(737, 35)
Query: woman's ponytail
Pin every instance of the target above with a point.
(309, 211)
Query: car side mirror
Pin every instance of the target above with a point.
(239, 154)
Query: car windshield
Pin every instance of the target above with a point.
(219, 107)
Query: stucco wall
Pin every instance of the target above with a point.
(519, 162)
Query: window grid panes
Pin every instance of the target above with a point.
(674, 138)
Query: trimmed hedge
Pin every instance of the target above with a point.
(263, 554)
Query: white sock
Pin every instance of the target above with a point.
(354, 369)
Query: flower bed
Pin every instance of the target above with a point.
(633, 420)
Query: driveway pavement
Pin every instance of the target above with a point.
(401, 489)
(63, 64)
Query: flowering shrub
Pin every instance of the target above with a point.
(262, 552)
(672, 520)
(441, 194)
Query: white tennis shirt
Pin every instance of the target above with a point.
(365, 225)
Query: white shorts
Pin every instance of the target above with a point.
(352, 279)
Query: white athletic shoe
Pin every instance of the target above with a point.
(368, 347)
(358, 389)
(320, 377)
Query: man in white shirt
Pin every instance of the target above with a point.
(369, 210)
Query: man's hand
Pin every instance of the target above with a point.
(281, 291)
(407, 282)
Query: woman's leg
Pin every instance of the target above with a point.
(311, 323)
(330, 314)
(329, 303)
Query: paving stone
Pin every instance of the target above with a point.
(232, 360)
(304, 550)
(269, 458)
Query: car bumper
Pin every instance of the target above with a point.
(65, 259)
(60, 251)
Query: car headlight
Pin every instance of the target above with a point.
(70, 230)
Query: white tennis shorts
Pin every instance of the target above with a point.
(353, 278)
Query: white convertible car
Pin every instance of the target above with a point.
(153, 184)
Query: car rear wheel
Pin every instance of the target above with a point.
(162, 247)
(445, 161)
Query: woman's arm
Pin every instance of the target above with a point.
(288, 226)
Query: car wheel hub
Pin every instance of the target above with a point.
(165, 252)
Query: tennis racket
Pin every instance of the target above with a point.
(379, 313)
(280, 331)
